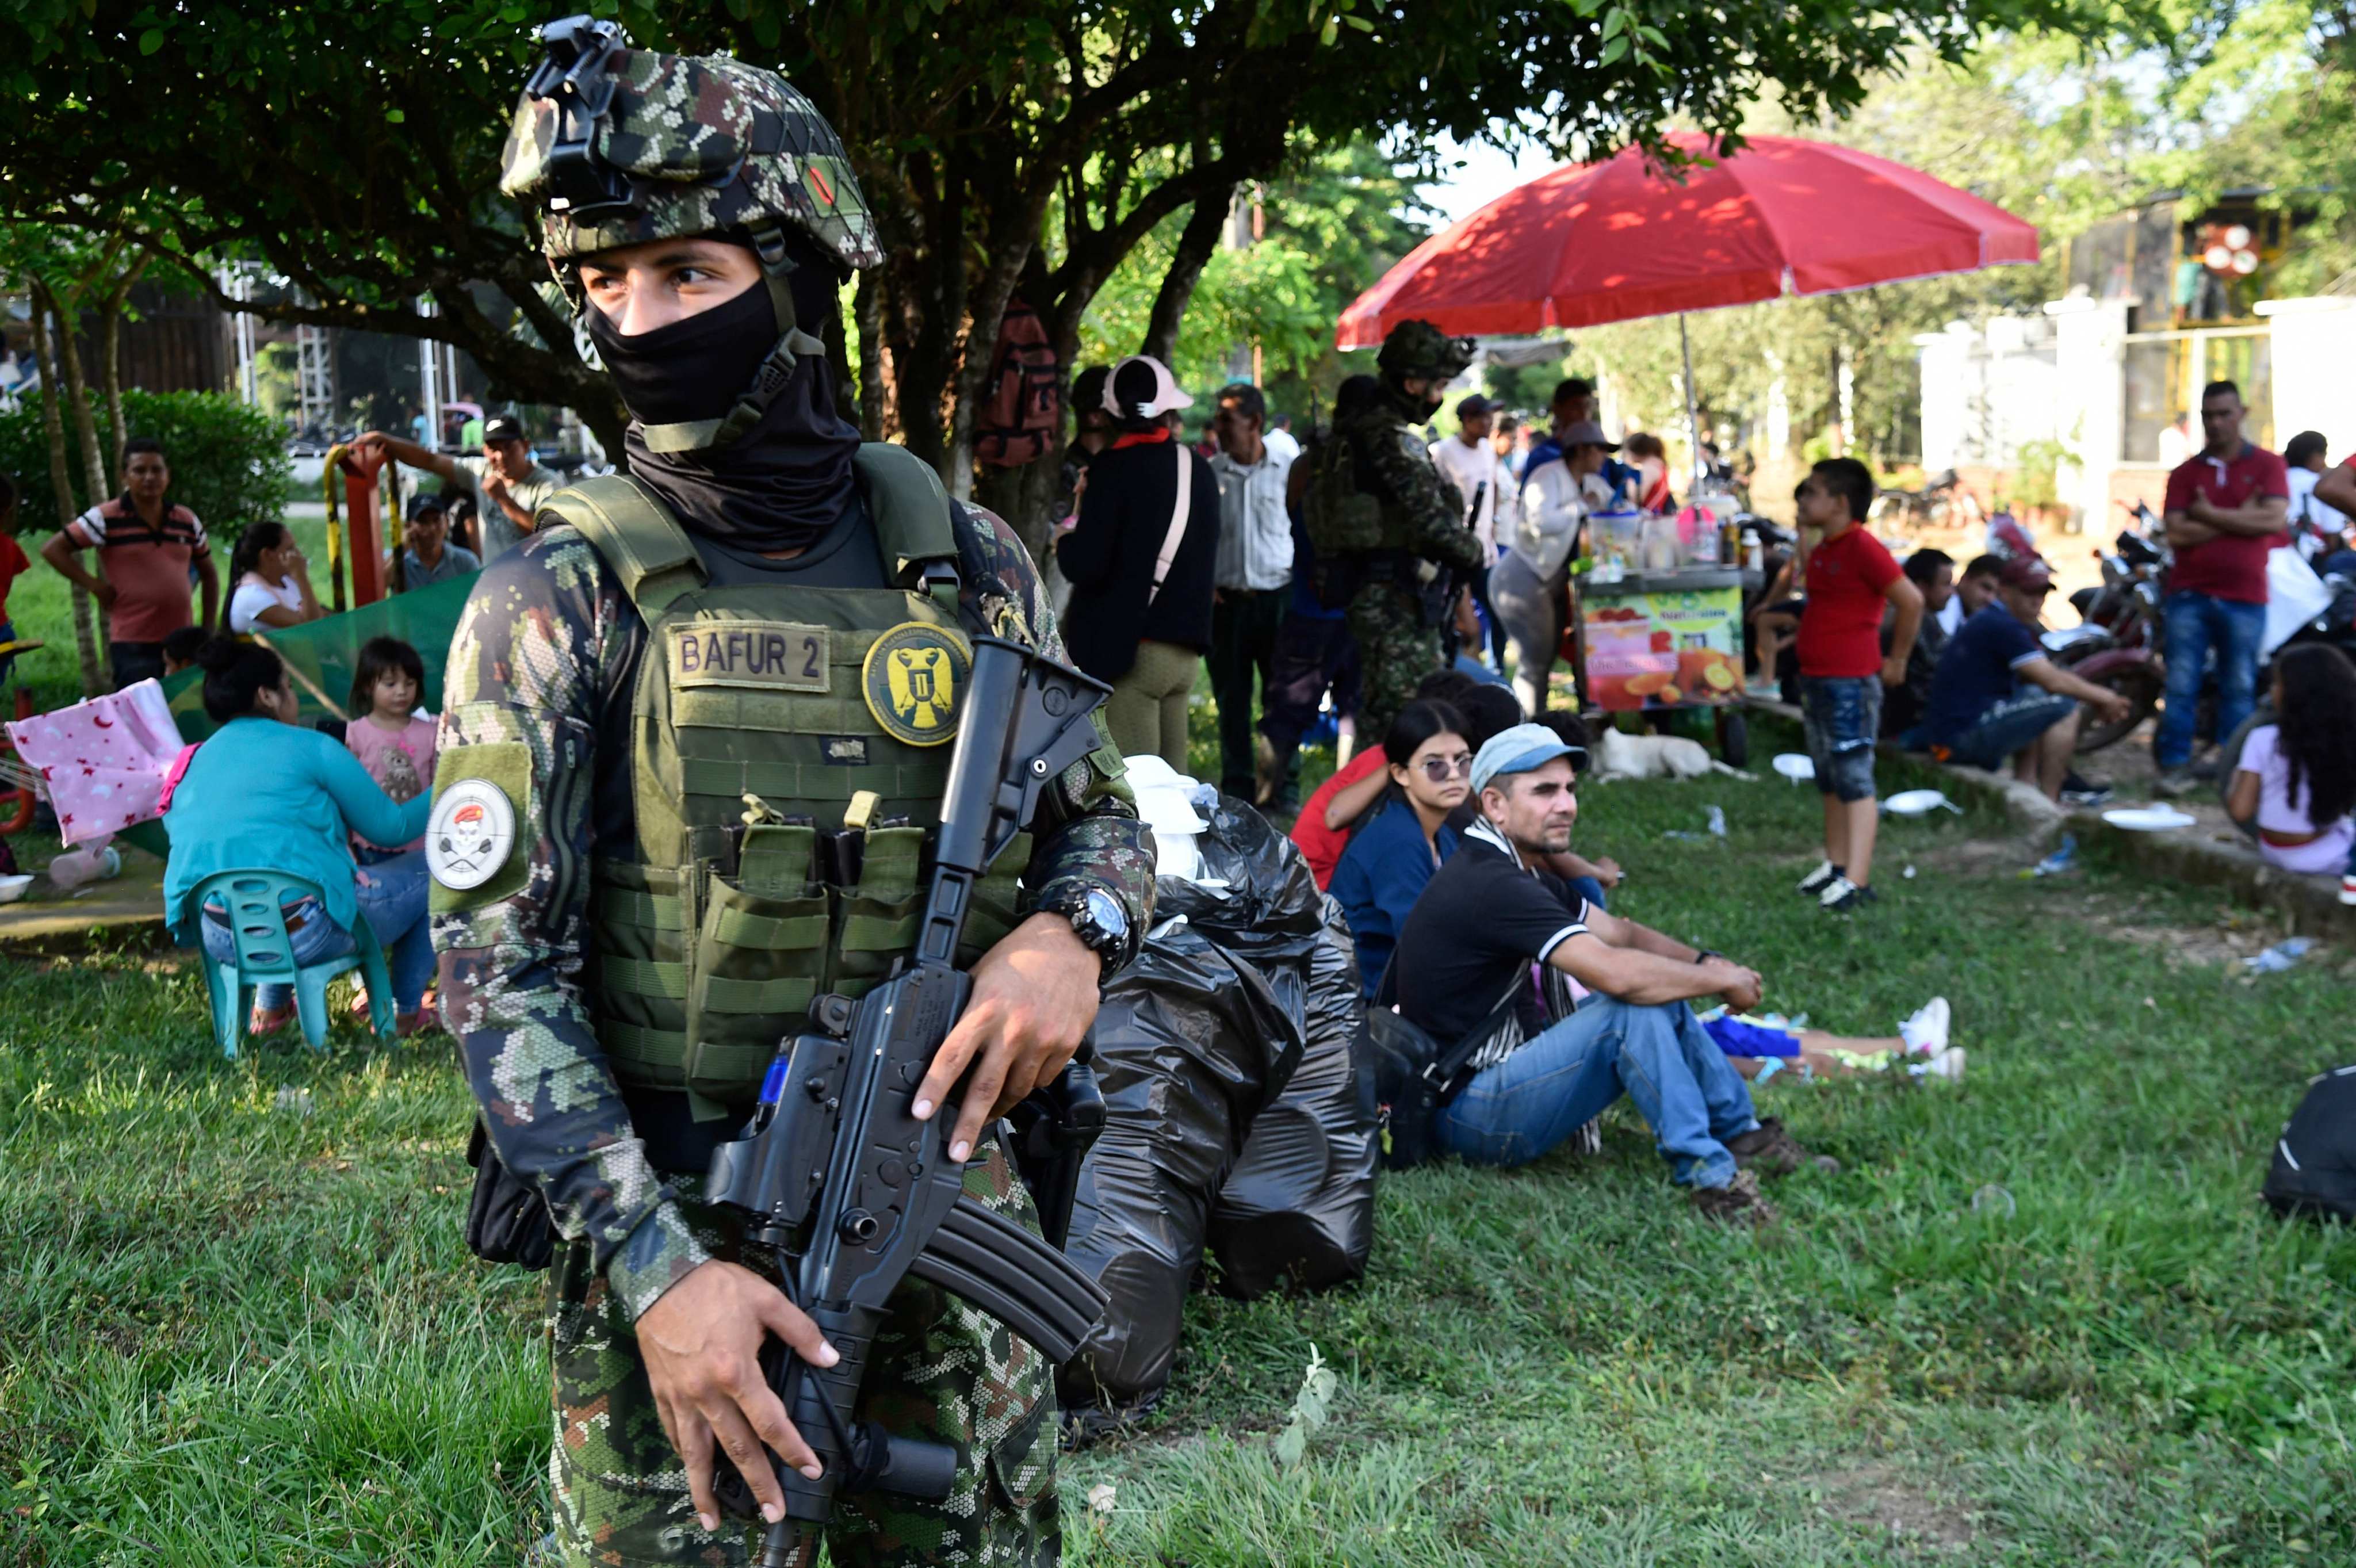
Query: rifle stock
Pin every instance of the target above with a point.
(840, 1179)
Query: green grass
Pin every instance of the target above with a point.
(241, 1327)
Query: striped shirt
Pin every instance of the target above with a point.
(148, 567)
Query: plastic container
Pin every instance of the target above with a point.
(91, 862)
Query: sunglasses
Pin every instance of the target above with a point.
(1440, 769)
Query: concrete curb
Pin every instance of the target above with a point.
(2310, 903)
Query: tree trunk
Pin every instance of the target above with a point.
(110, 354)
(93, 461)
(868, 302)
(61, 480)
(1195, 244)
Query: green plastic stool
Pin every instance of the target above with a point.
(257, 920)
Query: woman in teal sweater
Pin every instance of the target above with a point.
(266, 793)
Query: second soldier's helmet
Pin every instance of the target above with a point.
(1420, 348)
(615, 146)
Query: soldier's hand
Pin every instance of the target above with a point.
(702, 1344)
(1035, 995)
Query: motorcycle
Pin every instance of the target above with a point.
(2120, 640)
(1945, 502)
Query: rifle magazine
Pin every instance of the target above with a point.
(1015, 1277)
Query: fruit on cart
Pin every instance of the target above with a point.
(1612, 695)
(1707, 672)
(1669, 694)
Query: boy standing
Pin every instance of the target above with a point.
(1843, 669)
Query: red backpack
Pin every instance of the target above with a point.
(1024, 415)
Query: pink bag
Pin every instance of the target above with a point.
(104, 761)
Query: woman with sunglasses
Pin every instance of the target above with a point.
(1404, 836)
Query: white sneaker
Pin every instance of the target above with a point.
(1925, 1033)
(1841, 896)
(1948, 1064)
(1821, 877)
(2348, 889)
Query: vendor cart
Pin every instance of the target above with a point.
(1665, 642)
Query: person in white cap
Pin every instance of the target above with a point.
(1462, 969)
(1139, 562)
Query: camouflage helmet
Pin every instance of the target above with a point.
(615, 146)
(1420, 348)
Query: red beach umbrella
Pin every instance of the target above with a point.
(1618, 240)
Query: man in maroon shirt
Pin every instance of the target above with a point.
(2227, 505)
(1843, 669)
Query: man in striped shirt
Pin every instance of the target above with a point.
(146, 548)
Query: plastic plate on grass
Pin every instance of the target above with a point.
(2148, 819)
(1796, 765)
(1918, 803)
(13, 888)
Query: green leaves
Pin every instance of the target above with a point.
(151, 40)
(1312, 1409)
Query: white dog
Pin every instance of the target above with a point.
(1618, 756)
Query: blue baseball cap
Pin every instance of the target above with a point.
(1517, 751)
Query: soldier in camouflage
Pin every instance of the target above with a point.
(1404, 595)
(696, 212)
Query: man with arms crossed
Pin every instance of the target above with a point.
(2227, 505)
(1464, 964)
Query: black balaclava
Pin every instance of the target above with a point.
(783, 485)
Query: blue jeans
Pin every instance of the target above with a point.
(1840, 719)
(1562, 1079)
(392, 897)
(2197, 626)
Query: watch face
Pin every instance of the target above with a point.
(1103, 912)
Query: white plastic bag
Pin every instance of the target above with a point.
(2294, 595)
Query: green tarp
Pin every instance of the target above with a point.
(328, 648)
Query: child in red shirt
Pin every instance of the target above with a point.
(1843, 669)
(13, 566)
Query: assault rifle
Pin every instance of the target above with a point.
(849, 1188)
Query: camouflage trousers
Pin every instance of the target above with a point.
(941, 1372)
(1395, 651)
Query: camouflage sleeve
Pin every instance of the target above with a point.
(1087, 829)
(544, 632)
(1434, 509)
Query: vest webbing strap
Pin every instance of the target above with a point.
(647, 911)
(790, 995)
(880, 933)
(631, 528)
(743, 928)
(646, 977)
(800, 781)
(658, 1051)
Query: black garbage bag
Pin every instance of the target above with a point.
(1198, 1034)
(1300, 1204)
(2313, 1169)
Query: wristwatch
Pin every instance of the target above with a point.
(1096, 918)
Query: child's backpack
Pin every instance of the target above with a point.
(1023, 417)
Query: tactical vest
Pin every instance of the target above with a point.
(760, 714)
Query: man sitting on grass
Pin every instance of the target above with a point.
(1997, 696)
(1464, 971)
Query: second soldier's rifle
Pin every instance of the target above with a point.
(852, 1193)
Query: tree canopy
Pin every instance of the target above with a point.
(1021, 147)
